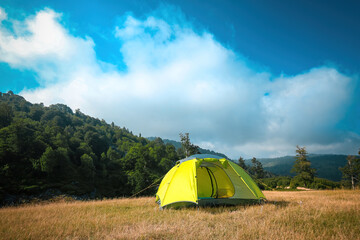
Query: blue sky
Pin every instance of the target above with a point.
(249, 78)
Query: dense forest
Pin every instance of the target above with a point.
(53, 149)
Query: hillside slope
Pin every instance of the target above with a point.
(53, 150)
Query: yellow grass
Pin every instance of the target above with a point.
(287, 215)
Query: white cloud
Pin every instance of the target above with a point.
(3, 14)
(180, 80)
(42, 44)
(308, 105)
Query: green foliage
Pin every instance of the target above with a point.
(241, 163)
(351, 172)
(87, 166)
(321, 183)
(46, 148)
(256, 169)
(187, 148)
(302, 167)
(48, 160)
(6, 115)
(280, 182)
(57, 165)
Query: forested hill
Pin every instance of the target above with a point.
(54, 149)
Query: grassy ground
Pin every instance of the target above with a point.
(287, 215)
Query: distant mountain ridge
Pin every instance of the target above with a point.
(177, 145)
(326, 165)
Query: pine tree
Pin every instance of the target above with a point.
(257, 168)
(302, 167)
(241, 163)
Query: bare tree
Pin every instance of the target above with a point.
(351, 171)
(188, 148)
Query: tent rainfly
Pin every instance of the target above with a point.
(205, 179)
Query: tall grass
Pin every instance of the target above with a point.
(287, 215)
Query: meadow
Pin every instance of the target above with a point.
(331, 214)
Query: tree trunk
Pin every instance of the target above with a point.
(352, 173)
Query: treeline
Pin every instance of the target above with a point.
(286, 182)
(256, 169)
(179, 145)
(53, 148)
(305, 174)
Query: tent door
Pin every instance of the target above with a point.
(213, 182)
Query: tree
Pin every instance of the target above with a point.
(351, 171)
(56, 164)
(96, 142)
(87, 167)
(139, 174)
(187, 147)
(302, 167)
(241, 163)
(166, 164)
(257, 168)
(171, 152)
(6, 115)
(36, 111)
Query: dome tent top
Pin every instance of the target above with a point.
(200, 156)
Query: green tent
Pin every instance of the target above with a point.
(205, 179)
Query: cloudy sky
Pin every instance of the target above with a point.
(245, 78)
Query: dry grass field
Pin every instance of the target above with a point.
(287, 215)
